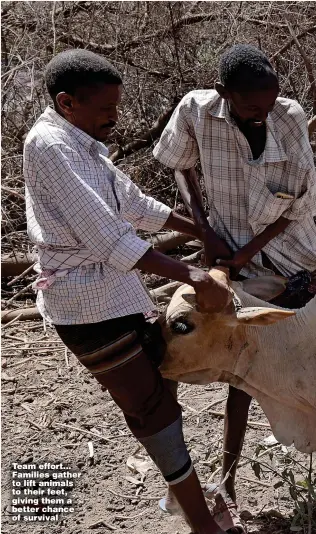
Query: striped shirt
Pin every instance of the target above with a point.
(241, 191)
(82, 213)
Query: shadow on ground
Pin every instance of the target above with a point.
(269, 526)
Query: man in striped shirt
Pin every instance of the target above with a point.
(260, 183)
(82, 213)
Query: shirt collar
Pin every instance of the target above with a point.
(219, 108)
(273, 151)
(82, 137)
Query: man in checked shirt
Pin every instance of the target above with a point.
(259, 178)
(81, 215)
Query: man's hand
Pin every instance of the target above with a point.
(239, 260)
(247, 252)
(215, 248)
(211, 296)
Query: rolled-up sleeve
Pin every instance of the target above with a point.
(143, 211)
(92, 220)
(305, 205)
(177, 147)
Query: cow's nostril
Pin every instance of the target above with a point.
(181, 327)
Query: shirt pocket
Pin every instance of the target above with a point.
(264, 207)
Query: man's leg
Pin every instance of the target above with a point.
(235, 423)
(115, 357)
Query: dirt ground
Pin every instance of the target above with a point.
(52, 408)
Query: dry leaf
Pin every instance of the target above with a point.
(137, 464)
(269, 441)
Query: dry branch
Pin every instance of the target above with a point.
(14, 265)
(192, 258)
(290, 43)
(138, 41)
(308, 65)
(146, 139)
(164, 293)
(261, 22)
(12, 192)
(311, 126)
(25, 314)
(169, 241)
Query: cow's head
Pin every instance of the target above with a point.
(187, 331)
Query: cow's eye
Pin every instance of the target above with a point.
(181, 327)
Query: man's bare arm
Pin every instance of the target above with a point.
(244, 255)
(211, 296)
(181, 224)
(189, 188)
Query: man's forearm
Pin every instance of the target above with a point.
(157, 263)
(181, 224)
(260, 241)
(211, 295)
(191, 193)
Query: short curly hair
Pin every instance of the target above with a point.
(244, 68)
(73, 69)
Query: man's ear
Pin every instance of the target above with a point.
(261, 316)
(265, 287)
(65, 103)
(221, 90)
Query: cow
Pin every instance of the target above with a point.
(267, 352)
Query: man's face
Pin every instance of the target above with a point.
(92, 109)
(252, 108)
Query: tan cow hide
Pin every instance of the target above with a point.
(253, 349)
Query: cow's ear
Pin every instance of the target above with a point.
(261, 316)
(189, 298)
(265, 287)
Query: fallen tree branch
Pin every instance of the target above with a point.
(164, 293)
(169, 241)
(192, 258)
(14, 265)
(25, 314)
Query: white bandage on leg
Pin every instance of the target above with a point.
(169, 452)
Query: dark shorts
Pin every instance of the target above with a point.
(124, 354)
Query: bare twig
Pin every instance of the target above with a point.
(17, 278)
(307, 63)
(19, 293)
(146, 139)
(290, 43)
(12, 192)
(175, 41)
(54, 27)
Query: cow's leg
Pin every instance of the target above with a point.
(236, 416)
